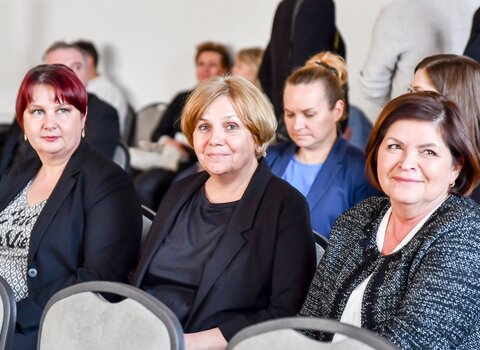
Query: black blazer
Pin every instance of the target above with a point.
(89, 229)
(102, 127)
(263, 264)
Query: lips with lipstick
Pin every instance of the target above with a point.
(406, 180)
(50, 138)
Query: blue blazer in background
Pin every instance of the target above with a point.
(340, 184)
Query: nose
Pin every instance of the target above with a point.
(216, 136)
(49, 121)
(408, 161)
(298, 123)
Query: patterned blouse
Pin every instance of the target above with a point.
(16, 224)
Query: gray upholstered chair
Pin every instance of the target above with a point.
(147, 119)
(321, 244)
(147, 218)
(78, 317)
(8, 315)
(121, 156)
(281, 334)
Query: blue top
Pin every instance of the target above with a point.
(339, 185)
(300, 175)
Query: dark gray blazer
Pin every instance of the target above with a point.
(262, 265)
(89, 229)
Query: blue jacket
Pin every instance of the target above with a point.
(340, 184)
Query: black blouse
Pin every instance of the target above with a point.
(177, 267)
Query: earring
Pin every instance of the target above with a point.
(25, 137)
(452, 185)
(83, 133)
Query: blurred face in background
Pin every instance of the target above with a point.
(421, 82)
(209, 64)
(244, 70)
(72, 58)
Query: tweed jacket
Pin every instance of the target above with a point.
(424, 296)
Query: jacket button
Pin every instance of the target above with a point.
(32, 273)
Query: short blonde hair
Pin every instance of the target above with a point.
(249, 103)
(252, 57)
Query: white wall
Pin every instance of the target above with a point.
(148, 45)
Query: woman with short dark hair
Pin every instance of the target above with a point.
(407, 266)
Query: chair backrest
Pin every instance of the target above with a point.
(77, 317)
(147, 218)
(8, 315)
(320, 239)
(147, 119)
(281, 334)
(121, 156)
(319, 251)
(128, 136)
(321, 244)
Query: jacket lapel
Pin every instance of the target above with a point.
(62, 189)
(281, 164)
(236, 235)
(332, 166)
(15, 180)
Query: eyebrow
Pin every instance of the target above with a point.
(431, 144)
(230, 116)
(310, 109)
(36, 105)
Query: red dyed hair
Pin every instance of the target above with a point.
(63, 81)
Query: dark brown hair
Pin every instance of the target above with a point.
(458, 79)
(218, 48)
(431, 107)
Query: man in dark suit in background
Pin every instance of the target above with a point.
(102, 128)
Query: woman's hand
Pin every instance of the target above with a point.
(209, 339)
(167, 140)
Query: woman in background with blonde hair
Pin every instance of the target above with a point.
(247, 64)
(319, 162)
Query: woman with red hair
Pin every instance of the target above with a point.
(69, 214)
